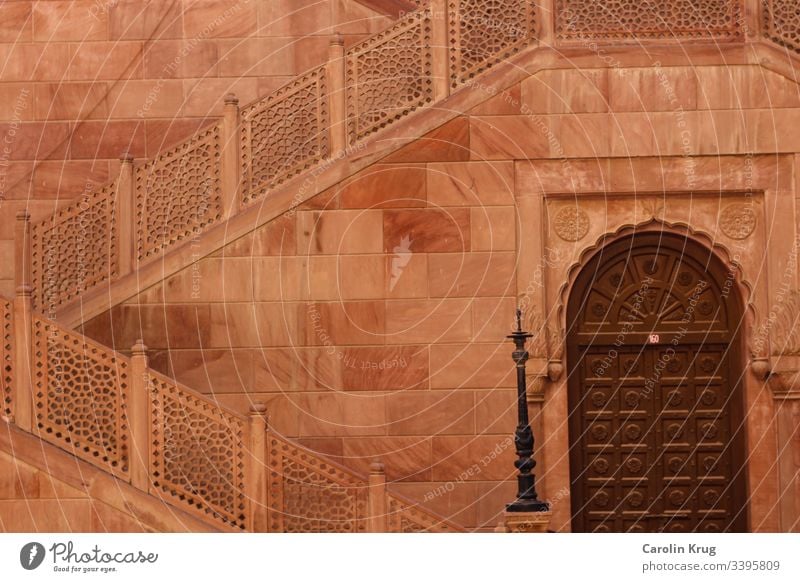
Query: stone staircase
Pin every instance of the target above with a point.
(268, 157)
(92, 253)
(167, 441)
(255, 163)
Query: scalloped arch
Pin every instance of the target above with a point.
(698, 236)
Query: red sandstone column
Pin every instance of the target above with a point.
(376, 504)
(336, 95)
(257, 468)
(139, 418)
(23, 325)
(231, 155)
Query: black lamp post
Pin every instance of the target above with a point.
(523, 438)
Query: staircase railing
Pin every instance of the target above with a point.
(162, 437)
(154, 206)
(157, 205)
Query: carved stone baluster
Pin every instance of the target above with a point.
(440, 50)
(231, 156)
(752, 18)
(257, 469)
(336, 96)
(545, 17)
(126, 226)
(376, 504)
(139, 418)
(23, 325)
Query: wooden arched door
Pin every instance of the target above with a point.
(656, 431)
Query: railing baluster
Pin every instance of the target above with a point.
(139, 418)
(440, 49)
(126, 208)
(545, 22)
(336, 96)
(752, 18)
(231, 163)
(23, 324)
(256, 480)
(376, 499)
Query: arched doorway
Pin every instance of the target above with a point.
(655, 397)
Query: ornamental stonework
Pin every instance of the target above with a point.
(738, 221)
(571, 223)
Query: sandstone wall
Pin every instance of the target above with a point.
(372, 319)
(82, 81)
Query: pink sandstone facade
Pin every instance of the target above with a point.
(82, 82)
(372, 227)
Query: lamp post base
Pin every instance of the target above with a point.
(527, 506)
(527, 522)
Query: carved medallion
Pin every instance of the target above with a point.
(633, 465)
(599, 432)
(601, 499)
(706, 307)
(738, 221)
(708, 430)
(635, 499)
(710, 497)
(601, 466)
(674, 398)
(674, 430)
(709, 463)
(676, 497)
(708, 365)
(708, 397)
(633, 431)
(571, 223)
(632, 399)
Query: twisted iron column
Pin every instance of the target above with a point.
(527, 499)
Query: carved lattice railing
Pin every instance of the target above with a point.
(284, 134)
(417, 61)
(309, 494)
(621, 20)
(485, 32)
(7, 357)
(198, 454)
(178, 193)
(163, 438)
(80, 394)
(782, 22)
(75, 250)
(389, 75)
(157, 205)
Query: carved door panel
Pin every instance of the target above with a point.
(655, 405)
